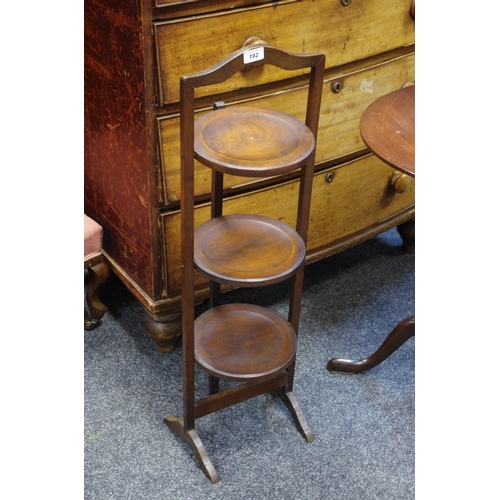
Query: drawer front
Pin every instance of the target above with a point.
(187, 7)
(338, 133)
(359, 196)
(344, 34)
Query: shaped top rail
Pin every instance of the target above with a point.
(254, 54)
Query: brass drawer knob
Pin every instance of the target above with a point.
(400, 182)
(253, 40)
(336, 87)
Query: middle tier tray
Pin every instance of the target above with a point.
(247, 250)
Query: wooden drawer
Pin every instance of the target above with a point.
(344, 34)
(359, 196)
(338, 133)
(196, 6)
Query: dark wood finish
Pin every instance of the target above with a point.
(177, 426)
(234, 395)
(388, 129)
(98, 271)
(407, 233)
(243, 342)
(237, 394)
(403, 331)
(227, 141)
(290, 401)
(247, 250)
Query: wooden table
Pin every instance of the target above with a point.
(387, 127)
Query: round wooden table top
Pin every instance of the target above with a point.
(387, 127)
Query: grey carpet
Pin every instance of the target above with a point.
(364, 425)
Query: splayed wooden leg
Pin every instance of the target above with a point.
(191, 437)
(296, 411)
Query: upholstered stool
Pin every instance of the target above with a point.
(98, 270)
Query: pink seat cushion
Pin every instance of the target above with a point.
(93, 238)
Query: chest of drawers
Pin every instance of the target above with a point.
(135, 53)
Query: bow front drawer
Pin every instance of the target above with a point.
(338, 213)
(343, 33)
(345, 97)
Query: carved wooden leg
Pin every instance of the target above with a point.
(191, 437)
(407, 233)
(98, 274)
(400, 334)
(164, 330)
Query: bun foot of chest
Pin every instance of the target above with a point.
(407, 233)
(165, 330)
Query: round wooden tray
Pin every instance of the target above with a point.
(247, 250)
(243, 342)
(252, 142)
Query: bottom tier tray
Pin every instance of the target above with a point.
(241, 342)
